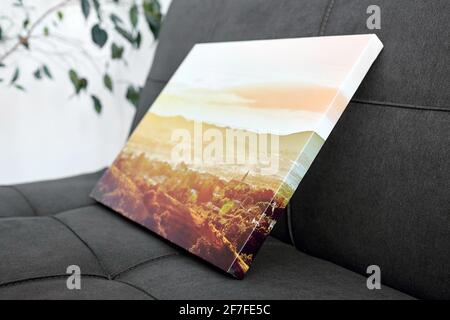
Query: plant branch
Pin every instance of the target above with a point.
(77, 45)
(23, 40)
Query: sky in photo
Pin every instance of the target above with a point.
(277, 86)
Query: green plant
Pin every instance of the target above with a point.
(26, 32)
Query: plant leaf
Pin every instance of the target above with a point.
(128, 36)
(47, 71)
(46, 32)
(153, 16)
(73, 76)
(78, 83)
(137, 40)
(116, 51)
(107, 81)
(99, 36)
(97, 9)
(82, 84)
(37, 74)
(134, 15)
(15, 76)
(115, 19)
(19, 87)
(133, 95)
(97, 104)
(85, 8)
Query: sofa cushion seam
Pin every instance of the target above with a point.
(56, 276)
(132, 285)
(157, 80)
(25, 198)
(61, 276)
(76, 208)
(102, 267)
(139, 264)
(400, 105)
(325, 17)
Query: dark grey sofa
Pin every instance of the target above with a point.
(378, 193)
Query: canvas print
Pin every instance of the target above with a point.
(223, 148)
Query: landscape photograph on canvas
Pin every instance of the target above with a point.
(221, 151)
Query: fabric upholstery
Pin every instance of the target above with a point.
(378, 191)
(279, 272)
(37, 199)
(54, 288)
(378, 194)
(414, 65)
(121, 260)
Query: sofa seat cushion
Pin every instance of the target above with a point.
(49, 197)
(120, 260)
(279, 272)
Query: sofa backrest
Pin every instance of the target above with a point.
(379, 191)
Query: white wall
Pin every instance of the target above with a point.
(45, 133)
